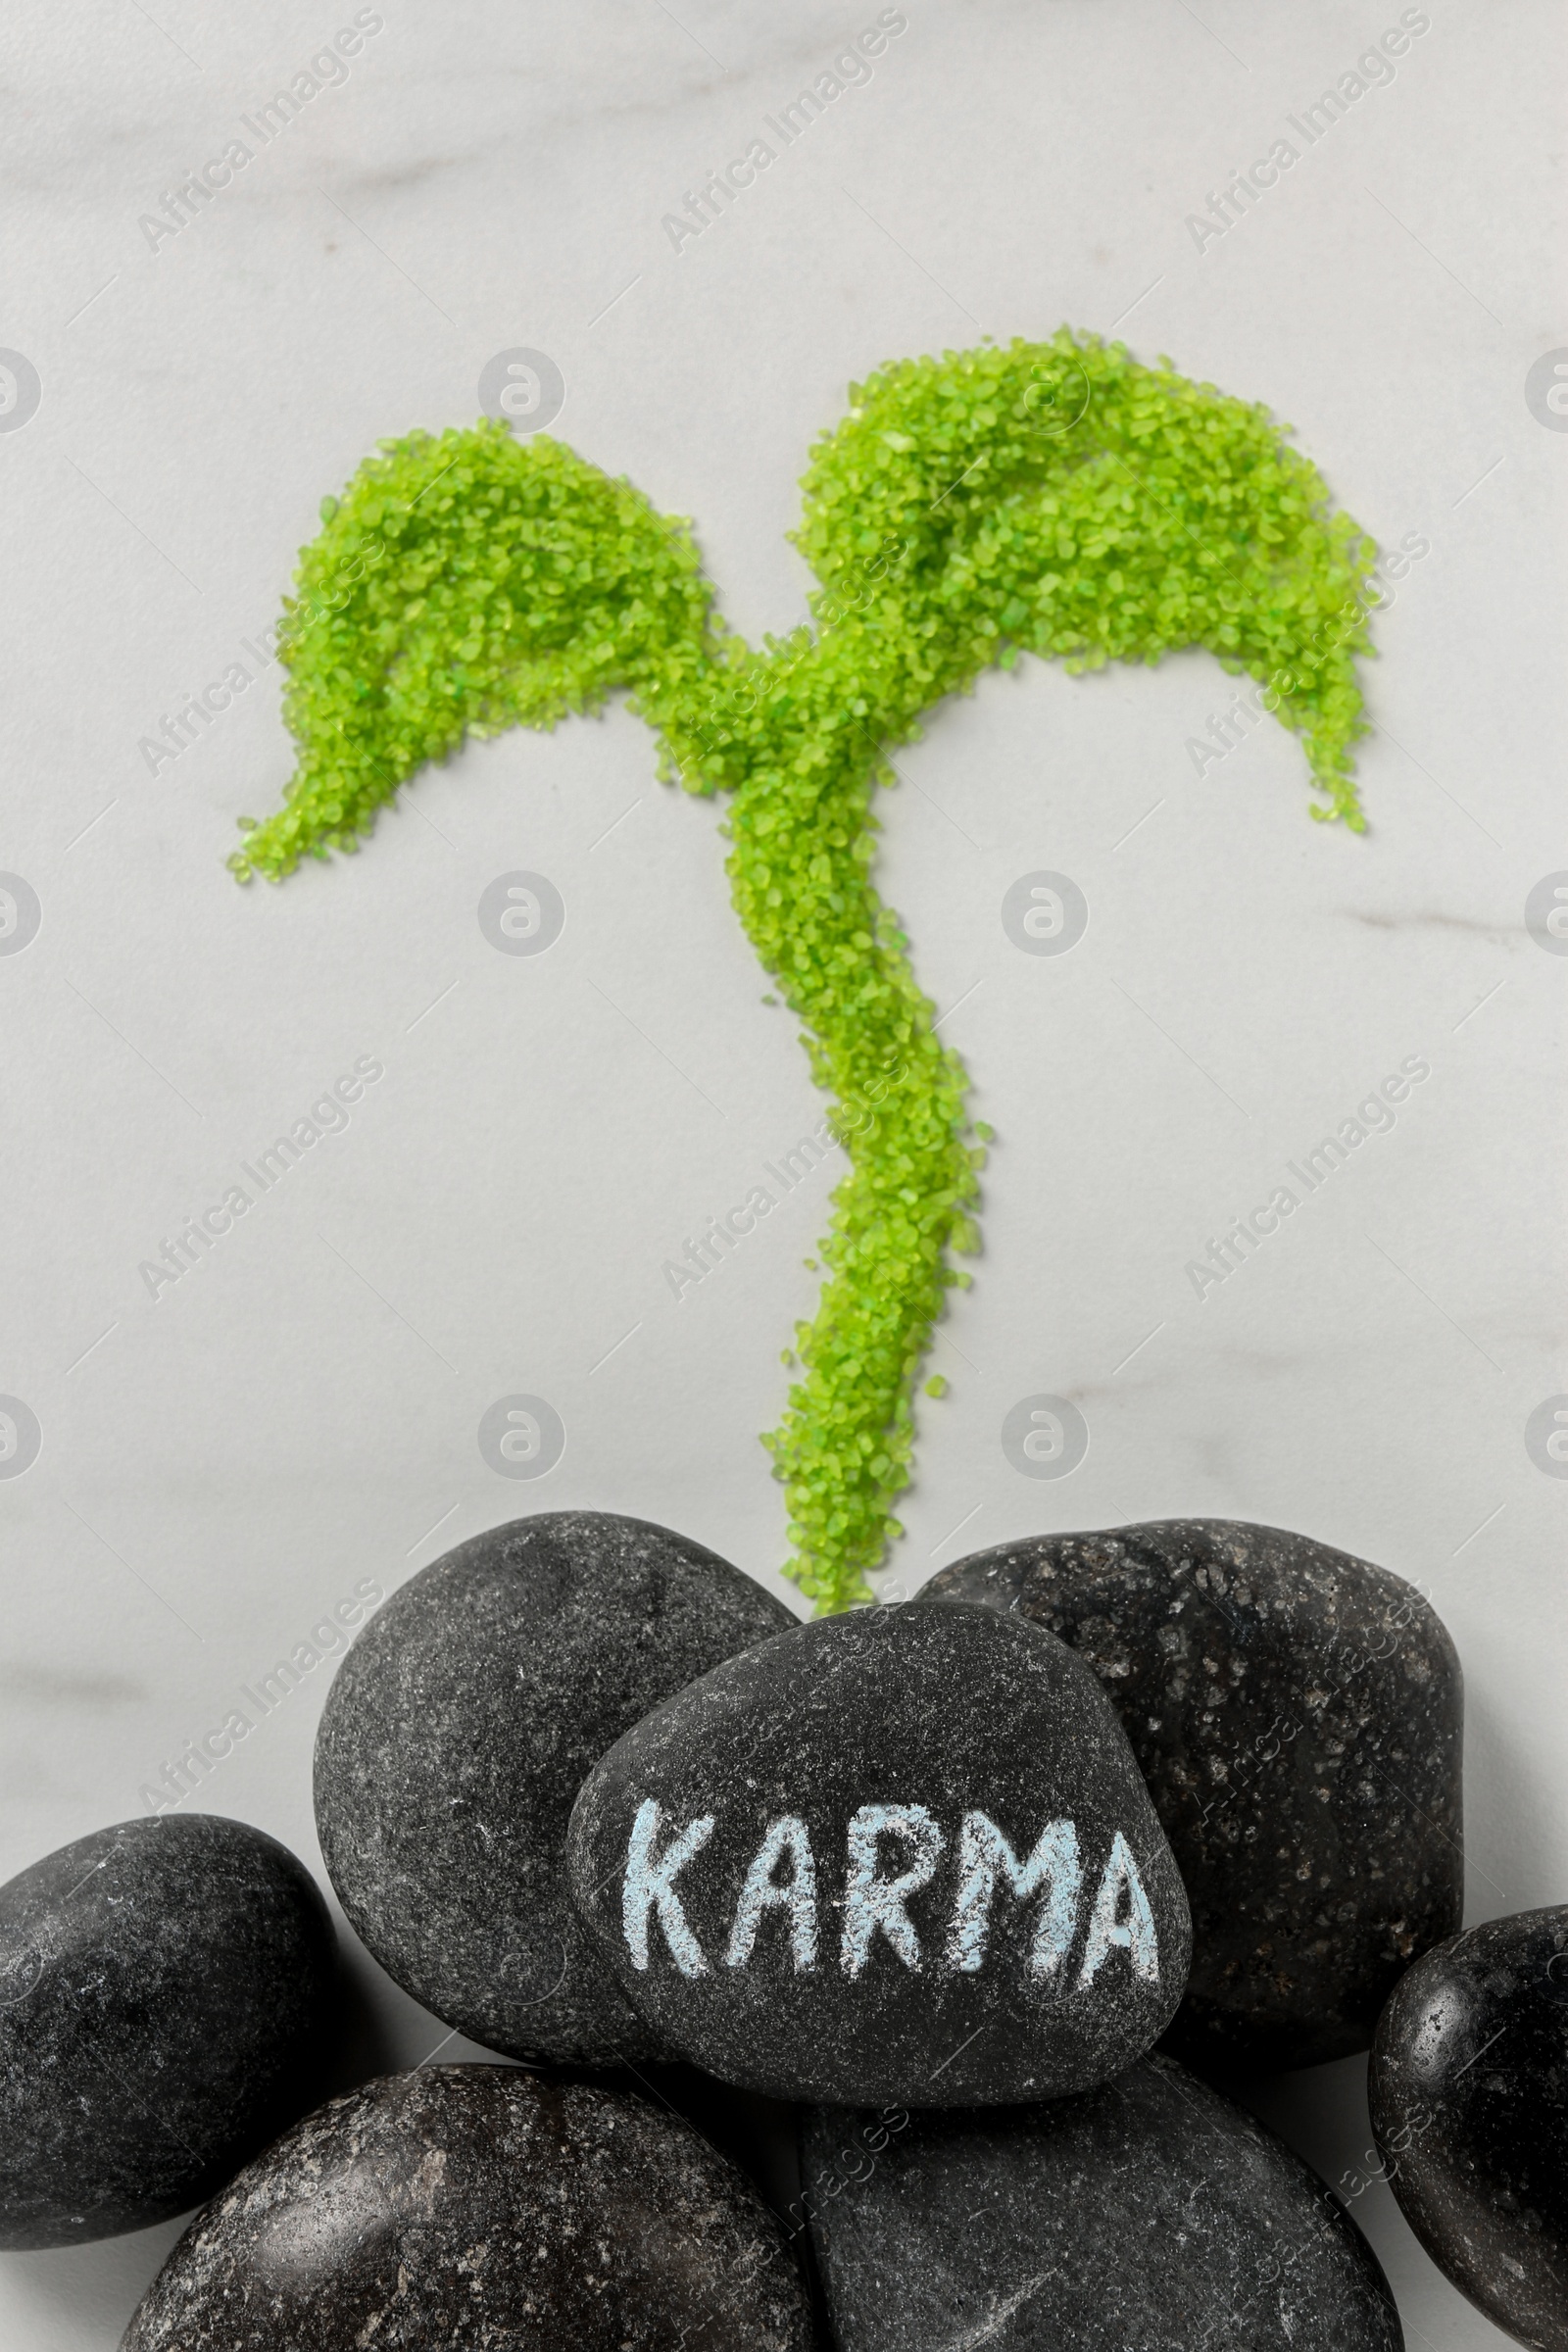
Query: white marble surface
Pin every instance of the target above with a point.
(220, 1464)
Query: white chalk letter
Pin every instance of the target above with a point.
(984, 1854)
(648, 1885)
(761, 1891)
(870, 1902)
(1135, 1934)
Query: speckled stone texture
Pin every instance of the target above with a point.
(455, 1736)
(1149, 2216)
(1297, 1715)
(479, 2206)
(1469, 2095)
(859, 1921)
(167, 1991)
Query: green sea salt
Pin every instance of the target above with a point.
(1051, 497)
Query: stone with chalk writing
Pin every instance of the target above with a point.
(455, 1739)
(479, 2206)
(1297, 1714)
(1469, 2096)
(1152, 2214)
(904, 1854)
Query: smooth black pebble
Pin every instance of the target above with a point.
(456, 1733)
(478, 2205)
(1298, 1717)
(903, 1855)
(1152, 2214)
(1469, 2095)
(166, 1990)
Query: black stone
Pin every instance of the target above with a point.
(455, 1736)
(480, 2206)
(167, 1990)
(1297, 1715)
(1148, 2215)
(1469, 2094)
(978, 1729)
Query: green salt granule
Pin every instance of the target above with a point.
(1052, 497)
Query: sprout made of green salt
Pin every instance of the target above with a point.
(1051, 497)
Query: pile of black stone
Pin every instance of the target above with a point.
(991, 1898)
